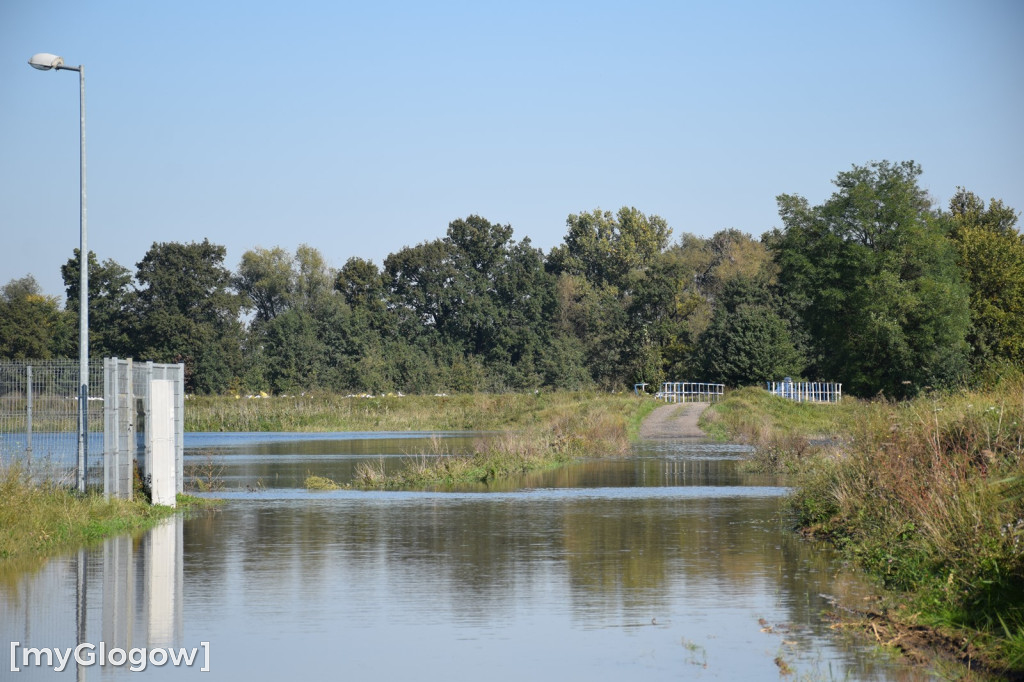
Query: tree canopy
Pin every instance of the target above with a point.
(875, 288)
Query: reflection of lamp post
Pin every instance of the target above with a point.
(44, 62)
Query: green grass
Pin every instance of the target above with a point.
(314, 482)
(37, 521)
(927, 495)
(752, 414)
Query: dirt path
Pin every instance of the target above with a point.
(674, 421)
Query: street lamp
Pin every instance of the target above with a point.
(44, 62)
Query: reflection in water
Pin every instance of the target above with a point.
(125, 593)
(657, 566)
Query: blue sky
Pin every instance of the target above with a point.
(359, 128)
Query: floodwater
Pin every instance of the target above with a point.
(668, 564)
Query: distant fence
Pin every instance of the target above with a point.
(136, 410)
(689, 392)
(807, 391)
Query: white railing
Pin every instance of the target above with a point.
(690, 392)
(807, 391)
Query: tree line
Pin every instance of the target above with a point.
(875, 288)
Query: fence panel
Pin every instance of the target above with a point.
(807, 391)
(119, 428)
(39, 419)
(690, 392)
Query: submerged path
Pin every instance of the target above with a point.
(674, 421)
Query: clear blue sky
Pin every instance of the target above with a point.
(359, 128)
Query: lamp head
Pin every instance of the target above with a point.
(44, 61)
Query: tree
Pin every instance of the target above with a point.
(475, 299)
(187, 312)
(747, 342)
(32, 326)
(990, 252)
(110, 304)
(873, 279)
(265, 277)
(607, 293)
(314, 280)
(359, 282)
(603, 248)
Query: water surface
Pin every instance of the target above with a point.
(667, 564)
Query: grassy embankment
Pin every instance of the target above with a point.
(926, 495)
(40, 520)
(535, 430)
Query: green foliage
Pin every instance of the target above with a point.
(990, 252)
(747, 341)
(603, 248)
(924, 494)
(873, 288)
(32, 326)
(266, 279)
(186, 311)
(110, 301)
(37, 520)
(874, 279)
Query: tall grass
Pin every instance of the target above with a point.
(598, 426)
(330, 412)
(39, 519)
(927, 495)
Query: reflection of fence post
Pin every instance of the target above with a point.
(81, 606)
(163, 584)
(118, 592)
(28, 420)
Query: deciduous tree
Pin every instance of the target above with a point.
(874, 279)
(186, 311)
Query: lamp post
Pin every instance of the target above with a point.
(44, 62)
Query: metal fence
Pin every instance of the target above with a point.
(39, 419)
(807, 391)
(690, 392)
(129, 434)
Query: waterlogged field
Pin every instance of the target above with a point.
(667, 563)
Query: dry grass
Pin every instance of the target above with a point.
(596, 427)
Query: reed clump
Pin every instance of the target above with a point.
(314, 482)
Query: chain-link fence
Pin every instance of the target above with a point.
(39, 419)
